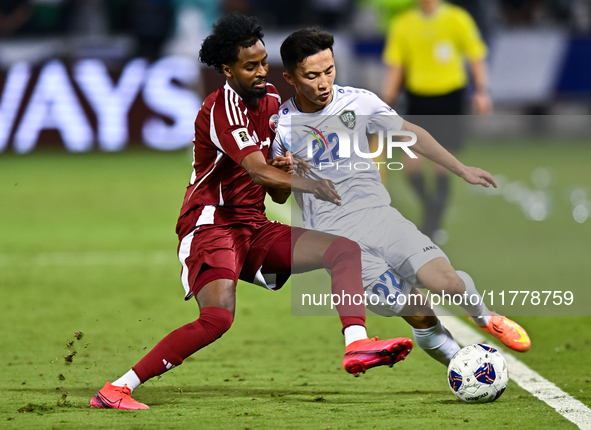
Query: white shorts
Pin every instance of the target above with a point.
(392, 251)
(388, 294)
(388, 240)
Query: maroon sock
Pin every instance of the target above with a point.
(343, 259)
(183, 342)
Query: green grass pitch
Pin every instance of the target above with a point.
(87, 245)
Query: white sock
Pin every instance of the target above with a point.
(478, 312)
(437, 341)
(353, 333)
(130, 378)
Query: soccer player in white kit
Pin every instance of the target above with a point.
(313, 126)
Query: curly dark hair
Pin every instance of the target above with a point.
(302, 44)
(232, 31)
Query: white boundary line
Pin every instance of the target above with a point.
(531, 381)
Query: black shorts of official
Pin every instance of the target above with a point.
(442, 116)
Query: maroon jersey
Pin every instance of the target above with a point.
(227, 130)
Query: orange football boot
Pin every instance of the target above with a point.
(367, 353)
(113, 397)
(509, 332)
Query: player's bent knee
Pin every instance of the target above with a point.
(452, 284)
(215, 322)
(341, 250)
(219, 293)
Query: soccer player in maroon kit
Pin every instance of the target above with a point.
(223, 231)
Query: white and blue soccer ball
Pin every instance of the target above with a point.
(477, 374)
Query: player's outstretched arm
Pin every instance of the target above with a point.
(291, 165)
(428, 147)
(271, 177)
(281, 162)
(478, 176)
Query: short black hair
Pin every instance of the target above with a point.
(232, 31)
(302, 44)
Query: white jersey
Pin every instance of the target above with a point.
(354, 113)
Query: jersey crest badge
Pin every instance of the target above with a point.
(348, 118)
(273, 120)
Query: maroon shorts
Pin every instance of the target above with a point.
(235, 251)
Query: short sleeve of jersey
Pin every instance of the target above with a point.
(393, 51)
(381, 116)
(229, 131)
(278, 148)
(471, 43)
(272, 91)
(282, 142)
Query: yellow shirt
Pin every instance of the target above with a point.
(432, 48)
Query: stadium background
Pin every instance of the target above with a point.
(101, 97)
(540, 62)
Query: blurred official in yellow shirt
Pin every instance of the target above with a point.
(426, 48)
(426, 51)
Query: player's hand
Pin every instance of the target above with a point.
(326, 191)
(282, 162)
(300, 167)
(293, 165)
(477, 176)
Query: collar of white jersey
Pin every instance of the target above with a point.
(334, 96)
(228, 87)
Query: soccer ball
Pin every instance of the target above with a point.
(477, 374)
